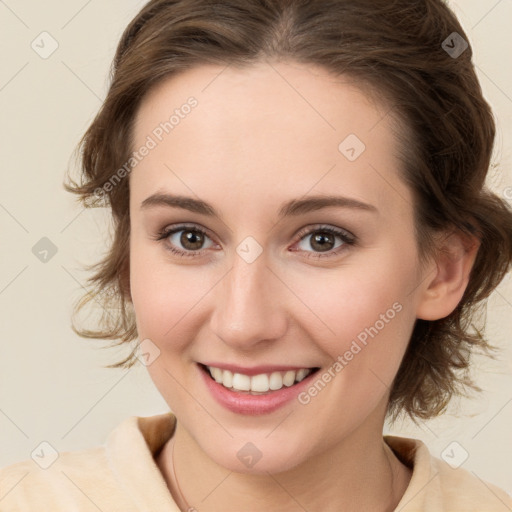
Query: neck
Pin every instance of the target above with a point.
(362, 473)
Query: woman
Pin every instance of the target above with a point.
(302, 238)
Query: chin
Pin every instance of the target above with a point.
(258, 458)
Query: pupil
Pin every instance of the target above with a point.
(321, 242)
(191, 238)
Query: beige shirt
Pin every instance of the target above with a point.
(122, 476)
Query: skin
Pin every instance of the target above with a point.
(261, 136)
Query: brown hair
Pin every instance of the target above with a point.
(398, 51)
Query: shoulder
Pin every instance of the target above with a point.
(92, 479)
(43, 483)
(437, 486)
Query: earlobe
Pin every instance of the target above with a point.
(445, 285)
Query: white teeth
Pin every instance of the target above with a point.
(260, 383)
(301, 374)
(216, 374)
(276, 381)
(241, 382)
(227, 378)
(289, 378)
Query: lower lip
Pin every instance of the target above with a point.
(252, 405)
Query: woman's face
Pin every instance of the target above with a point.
(296, 250)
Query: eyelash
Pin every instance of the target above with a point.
(347, 238)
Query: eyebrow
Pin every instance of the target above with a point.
(290, 208)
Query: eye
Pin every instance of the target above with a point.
(185, 240)
(325, 241)
(191, 240)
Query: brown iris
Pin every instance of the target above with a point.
(322, 241)
(193, 238)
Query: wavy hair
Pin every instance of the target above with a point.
(396, 50)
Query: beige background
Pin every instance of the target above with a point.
(52, 386)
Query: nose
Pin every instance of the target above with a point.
(250, 305)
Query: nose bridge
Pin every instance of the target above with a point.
(248, 306)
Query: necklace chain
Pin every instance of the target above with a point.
(192, 509)
(189, 508)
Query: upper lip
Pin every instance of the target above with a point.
(255, 370)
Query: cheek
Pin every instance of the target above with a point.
(363, 320)
(351, 303)
(162, 295)
(372, 325)
(165, 301)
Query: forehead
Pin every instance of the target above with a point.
(263, 131)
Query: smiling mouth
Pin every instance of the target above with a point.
(261, 384)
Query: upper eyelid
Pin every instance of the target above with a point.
(182, 227)
(318, 227)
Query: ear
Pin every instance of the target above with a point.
(446, 282)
